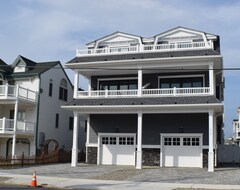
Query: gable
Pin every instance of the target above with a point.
(181, 35)
(20, 66)
(116, 39)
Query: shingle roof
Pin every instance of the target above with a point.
(144, 101)
(4, 67)
(35, 69)
(141, 56)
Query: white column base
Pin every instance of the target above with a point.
(210, 161)
(139, 160)
(74, 157)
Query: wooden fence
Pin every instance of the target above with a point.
(52, 157)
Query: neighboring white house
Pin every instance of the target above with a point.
(236, 128)
(31, 96)
(150, 101)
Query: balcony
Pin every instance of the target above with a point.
(144, 49)
(7, 126)
(15, 91)
(145, 93)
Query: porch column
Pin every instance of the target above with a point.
(76, 84)
(15, 123)
(139, 142)
(89, 86)
(87, 136)
(139, 82)
(75, 141)
(211, 141)
(211, 79)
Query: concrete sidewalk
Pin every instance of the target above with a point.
(71, 183)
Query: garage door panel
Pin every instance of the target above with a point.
(182, 152)
(118, 150)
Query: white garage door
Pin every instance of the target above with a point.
(180, 151)
(118, 150)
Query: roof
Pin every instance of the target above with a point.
(144, 101)
(35, 68)
(4, 67)
(141, 56)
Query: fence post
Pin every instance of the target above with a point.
(22, 159)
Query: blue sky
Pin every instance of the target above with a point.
(46, 30)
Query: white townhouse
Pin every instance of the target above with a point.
(236, 128)
(31, 95)
(150, 101)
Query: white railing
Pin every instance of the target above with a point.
(144, 48)
(176, 91)
(146, 92)
(7, 126)
(107, 93)
(10, 91)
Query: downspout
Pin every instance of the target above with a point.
(37, 119)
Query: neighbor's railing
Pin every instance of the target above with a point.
(7, 126)
(15, 91)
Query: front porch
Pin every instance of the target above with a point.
(148, 128)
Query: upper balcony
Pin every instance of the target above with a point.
(144, 48)
(22, 127)
(12, 92)
(167, 92)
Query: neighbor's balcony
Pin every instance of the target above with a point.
(144, 49)
(15, 91)
(145, 93)
(7, 126)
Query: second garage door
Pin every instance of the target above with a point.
(182, 151)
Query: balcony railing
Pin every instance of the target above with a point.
(145, 92)
(144, 48)
(7, 126)
(11, 92)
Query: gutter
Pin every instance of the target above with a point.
(37, 119)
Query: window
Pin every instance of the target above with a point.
(130, 141)
(168, 141)
(57, 120)
(118, 85)
(104, 140)
(63, 91)
(183, 82)
(70, 123)
(50, 88)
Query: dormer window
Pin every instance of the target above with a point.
(20, 67)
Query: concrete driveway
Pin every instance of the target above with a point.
(226, 175)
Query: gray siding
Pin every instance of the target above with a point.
(153, 125)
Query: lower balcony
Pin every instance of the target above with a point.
(145, 92)
(7, 126)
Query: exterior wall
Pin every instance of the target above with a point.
(153, 125)
(32, 84)
(122, 123)
(50, 106)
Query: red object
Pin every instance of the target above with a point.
(34, 180)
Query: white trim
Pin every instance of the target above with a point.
(146, 60)
(182, 76)
(113, 79)
(92, 145)
(151, 146)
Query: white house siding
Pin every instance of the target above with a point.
(32, 84)
(50, 106)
